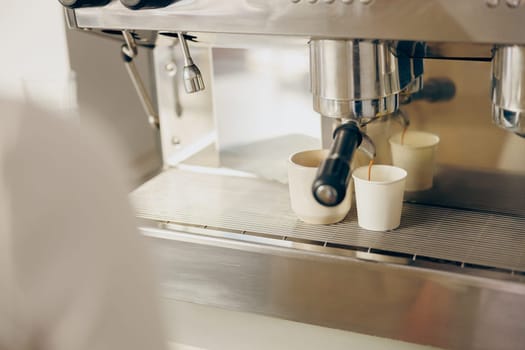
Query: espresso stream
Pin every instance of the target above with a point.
(403, 135)
(372, 160)
(370, 169)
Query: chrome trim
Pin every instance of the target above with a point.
(129, 53)
(71, 19)
(508, 88)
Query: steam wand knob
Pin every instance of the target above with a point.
(191, 74)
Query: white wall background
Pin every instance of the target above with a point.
(34, 58)
(38, 67)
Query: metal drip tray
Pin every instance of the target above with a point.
(260, 207)
(234, 243)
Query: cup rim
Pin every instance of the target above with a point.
(317, 150)
(436, 141)
(359, 179)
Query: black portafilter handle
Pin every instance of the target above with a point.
(333, 176)
(437, 89)
(73, 4)
(146, 4)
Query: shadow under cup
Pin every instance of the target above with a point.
(302, 170)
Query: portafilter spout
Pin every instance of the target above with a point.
(508, 88)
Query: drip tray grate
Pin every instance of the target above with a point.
(260, 206)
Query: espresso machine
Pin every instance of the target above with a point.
(238, 85)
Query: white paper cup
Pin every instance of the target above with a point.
(417, 156)
(379, 201)
(302, 169)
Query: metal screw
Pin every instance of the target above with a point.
(175, 141)
(492, 3)
(171, 68)
(513, 3)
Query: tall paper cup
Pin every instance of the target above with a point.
(302, 169)
(380, 200)
(417, 156)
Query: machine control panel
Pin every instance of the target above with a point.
(146, 4)
(83, 3)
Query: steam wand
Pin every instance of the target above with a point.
(129, 52)
(192, 76)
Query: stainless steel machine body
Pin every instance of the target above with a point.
(354, 79)
(508, 93)
(218, 215)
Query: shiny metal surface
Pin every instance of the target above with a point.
(354, 79)
(326, 194)
(449, 50)
(434, 50)
(130, 47)
(145, 100)
(509, 120)
(508, 88)
(192, 76)
(71, 20)
(358, 108)
(411, 68)
(290, 281)
(436, 20)
(492, 240)
(402, 118)
(368, 147)
(412, 88)
(130, 51)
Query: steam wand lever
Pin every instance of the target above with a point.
(129, 52)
